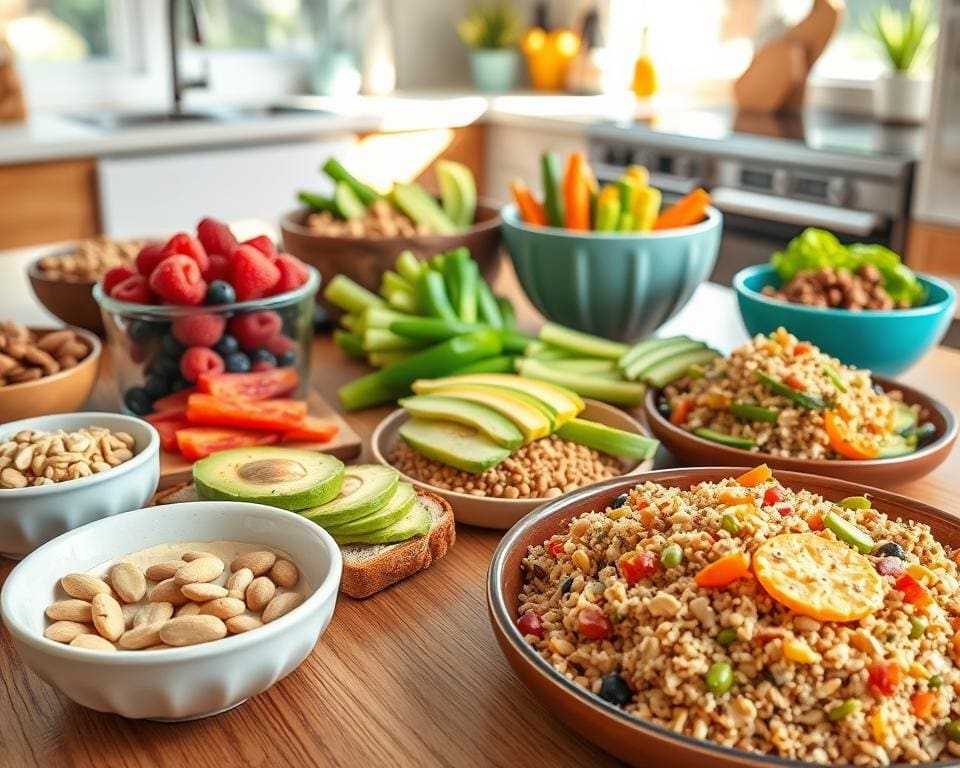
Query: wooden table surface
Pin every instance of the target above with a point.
(411, 676)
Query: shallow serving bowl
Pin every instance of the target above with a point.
(70, 300)
(887, 342)
(631, 739)
(490, 512)
(32, 515)
(177, 683)
(619, 285)
(62, 392)
(694, 450)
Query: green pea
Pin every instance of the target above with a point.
(952, 730)
(671, 556)
(844, 710)
(720, 678)
(727, 636)
(918, 626)
(856, 502)
(730, 524)
(935, 682)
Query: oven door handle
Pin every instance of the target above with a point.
(796, 212)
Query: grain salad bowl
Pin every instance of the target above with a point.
(491, 512)
(634, 740)
(183, 683)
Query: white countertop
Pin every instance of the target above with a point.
(48, 136)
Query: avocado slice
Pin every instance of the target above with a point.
(495, 425)
(897, 445)
(562, 402)
(415, 523)
(905, 419)
(366, 488)
(398, 506)
(454, 444)
(531, 421)
(281, 477)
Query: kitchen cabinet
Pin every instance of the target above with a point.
(514, 152)
(48, 201)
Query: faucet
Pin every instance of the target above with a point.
(196, 32)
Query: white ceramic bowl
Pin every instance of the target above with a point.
(32, 515)
(177, 683)
(491, 512)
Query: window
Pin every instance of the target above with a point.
(276, 25)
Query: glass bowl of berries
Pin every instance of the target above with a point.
(205, 304)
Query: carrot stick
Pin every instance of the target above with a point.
(531, 211)
(724, 571)
(687, 211)
(576, 193)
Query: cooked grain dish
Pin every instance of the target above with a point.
(759, 618)
(782, 396)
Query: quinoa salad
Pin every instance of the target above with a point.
(759, 618)
(782, 396)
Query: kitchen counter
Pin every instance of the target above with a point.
(49, 136)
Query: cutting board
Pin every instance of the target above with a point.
(175, 469)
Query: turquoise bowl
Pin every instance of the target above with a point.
(617, 285)
(886, 342)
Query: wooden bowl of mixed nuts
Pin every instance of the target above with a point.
(63, 280)
(45, 370)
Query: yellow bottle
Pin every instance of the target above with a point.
(644, 72)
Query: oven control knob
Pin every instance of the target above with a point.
(838, 191)
(781, 182)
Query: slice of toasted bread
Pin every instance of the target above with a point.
(369, 568)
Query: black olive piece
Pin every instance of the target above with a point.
(890, 549)
(620, 501)
(614, 689)
(567, 586)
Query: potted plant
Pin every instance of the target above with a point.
(907, 37)
(491, 32)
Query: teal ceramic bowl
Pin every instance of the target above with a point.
(886, 342)
(617, 285)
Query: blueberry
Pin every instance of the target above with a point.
(227, 345)
(220, 292)
(262, 356)
(237, 362)
(138, 401)
(890, 549)
(286, 358)
(614, 689)
(156, 386)
(179, 383)
(171, 346)
(139, 330)
(164, 367)
(620, 501)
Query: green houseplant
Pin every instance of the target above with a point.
(906, 36)
(492, 32)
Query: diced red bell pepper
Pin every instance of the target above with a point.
(795, 382)
(158, 417)
(884, 677)
(681, 411)
(168, 429)
(269, 415)
(593, 623)
(771, 496)
(175, 402)
(261, 385)
(637, 565)
(198, 442)
(555, 547)
(314, 430)
(913, 591)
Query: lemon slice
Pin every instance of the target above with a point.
(818, 577)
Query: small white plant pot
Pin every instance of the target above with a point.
(901, 98)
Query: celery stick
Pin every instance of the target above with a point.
(432, 328)
(432, 293)
(583, 343)
(507, 312)
(594, 365)
(382, 317)
(382, 340)
(337, 172)
(317, 202)
(587, 385)
(403, 301)
(350, 344)
(350, 322)
(497, 364)
(613, 442)
(487, 307)
(370, 390)
(539, 350)
(409, 267)
(391, 281)
(350, 296)
(382, 359)
(515, 342)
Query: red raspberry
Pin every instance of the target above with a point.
(185, 245)
(263, 244)
(197, 360)
(133, 289)
(198, 330)
(255, 330)
(219, 268)
(216, 237)
(150, 255)
(115, 276)
(176, 280)
(252, 274)
(293, 273)
(279, 344)
(262, 365)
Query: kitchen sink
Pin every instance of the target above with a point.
(113, 121)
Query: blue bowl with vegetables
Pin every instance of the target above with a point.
(887, 341)
(618, 285)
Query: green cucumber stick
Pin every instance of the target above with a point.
(432, 294)
(317, 202)
(451, 273)
(487, 307)
(507, 313)
(432, 329)
(585, 344)
(464, 274)
(497, 364)
(338, 173)
(552, 199)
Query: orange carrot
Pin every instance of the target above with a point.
(724, 571)
(576, 193)
(923, 702)
(686, 212)
(531, 211)
(681, 411)
(731, 497)
(755, 477)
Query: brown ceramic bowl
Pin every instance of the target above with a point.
(365, 259)
(62, 392)
(71, 301)
(696, 451)
(633, 740)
